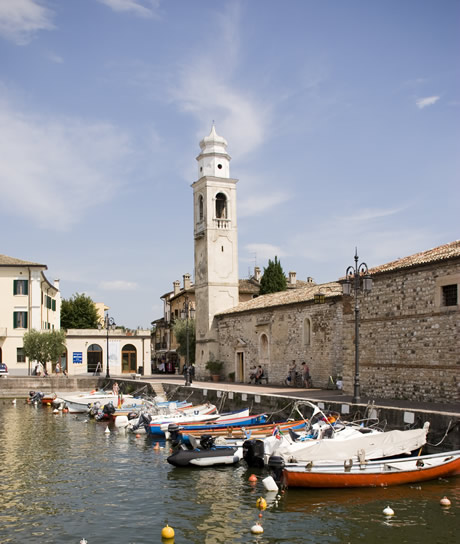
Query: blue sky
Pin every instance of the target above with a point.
(342, 119)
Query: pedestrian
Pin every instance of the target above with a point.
(252, 374)
(306, 378)
(57, 368)
(292, 371)
(259, 374)
(115, 388)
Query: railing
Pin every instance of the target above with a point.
(222, 223)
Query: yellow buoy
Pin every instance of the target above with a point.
(261, 503)
(444, 501)
(257, 529)
(167, 532)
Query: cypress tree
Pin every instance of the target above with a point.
(273, 279)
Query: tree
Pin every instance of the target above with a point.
(44, 346)
(273, 279)
(79, 312)
(180, 329)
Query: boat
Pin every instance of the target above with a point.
(204, 453)
(380, 473)
(82, 403)
(223, 422)
(246, 432)
(199, 413)
(349, 442)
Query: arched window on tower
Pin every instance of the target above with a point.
(221, 206)
(307, 332)
(200, 208)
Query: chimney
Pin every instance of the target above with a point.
(187, 282)
(176, 286)
(292, 278)
(56, 284)
(257, 273)
(310, 280)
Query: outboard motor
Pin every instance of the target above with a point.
(276, 465)
(207, 441)
(253, 452)
(175, 435)
(132, 415)
(36, 396)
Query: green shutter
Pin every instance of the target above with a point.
(26, 287)
(53, 307)
(15, 287)
(15, 320)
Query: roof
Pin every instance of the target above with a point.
(440, 253)
(290, 296)
(11, 261)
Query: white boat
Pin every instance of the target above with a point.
(82, 402)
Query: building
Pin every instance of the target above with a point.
(28, 301)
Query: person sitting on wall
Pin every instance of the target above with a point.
(259, 374)
(252, 375)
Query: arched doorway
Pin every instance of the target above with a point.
(128, 359)
(94, 359)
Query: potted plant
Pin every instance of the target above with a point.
(214, 368)
(231, 376)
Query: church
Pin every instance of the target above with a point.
(409, 342)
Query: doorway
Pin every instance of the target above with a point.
(240, 367)
(94, 359)
(128, 359)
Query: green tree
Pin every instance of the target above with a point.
(180, 329)
(273, 279)
(44, 346)
(79, 312)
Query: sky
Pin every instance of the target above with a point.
(341, 117)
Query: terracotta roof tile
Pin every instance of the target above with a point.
(440, 253)
(11, 261)
(290, 296)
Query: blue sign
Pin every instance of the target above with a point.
(77, 357)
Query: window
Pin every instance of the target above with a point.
(48, 302)
(263, 347)
(221, 206)
(449, 295)
(53, 305)
(20, 357)
(20, 287)
(20, 320)
(200, 208)
(307, 331)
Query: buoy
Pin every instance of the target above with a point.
(65, 410)
(107, 430)
(260, 515)
(252, 478)
(444, 501)
(48, 404)
(388, 511)
(167, 532)
(83, 541)
(261, 503)
(55, 411)
(257, 529)
(138, 435)
(156, 446)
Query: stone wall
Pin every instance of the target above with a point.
(289, 337)
(409, 341)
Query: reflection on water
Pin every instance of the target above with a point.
(63, 478)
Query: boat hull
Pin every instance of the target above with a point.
(375, 473)
(206, 457)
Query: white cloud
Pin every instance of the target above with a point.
(118, 285)
(264, 251)
(205, 89)
(20, 19)
(428, 101)
(261, 203)
(52, 170)
(371, 214)
(143, 9)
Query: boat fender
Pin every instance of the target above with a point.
(444, 502)
(269, 484)
(257, 529)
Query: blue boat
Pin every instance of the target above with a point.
(223, 423)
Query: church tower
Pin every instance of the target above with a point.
(216, 245)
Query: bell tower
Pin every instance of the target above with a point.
(216, 244)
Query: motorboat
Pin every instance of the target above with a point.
(203, 453)
(82, 402)
(379, 473)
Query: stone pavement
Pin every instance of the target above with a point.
(315, 395)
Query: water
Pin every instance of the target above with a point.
(63, 478)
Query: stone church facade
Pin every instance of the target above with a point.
(409, 321)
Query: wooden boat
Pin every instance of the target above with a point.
(202, 412)
(223, 423)
(385, 472)
(250, 431)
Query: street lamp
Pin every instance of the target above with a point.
(109, 323)
(187, 312)
(358, 281)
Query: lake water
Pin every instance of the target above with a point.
(64, 479)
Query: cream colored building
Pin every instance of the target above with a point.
(27, 301)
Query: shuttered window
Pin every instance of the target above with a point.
(20, 320)
(20, 287)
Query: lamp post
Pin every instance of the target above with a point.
(109, 323)
(187, 313)
(359, 281)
